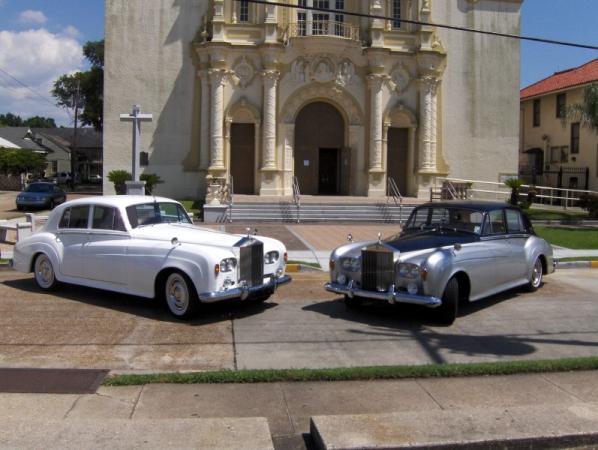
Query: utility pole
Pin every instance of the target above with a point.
(76, 96)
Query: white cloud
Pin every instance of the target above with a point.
(71, 31)
(31, 16)
(37, 58)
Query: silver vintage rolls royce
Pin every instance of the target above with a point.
(447, 253)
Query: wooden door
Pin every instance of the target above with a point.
(242, 157)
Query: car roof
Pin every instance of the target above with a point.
(118, 200)
(479, 205)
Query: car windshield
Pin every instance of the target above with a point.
(445, 218)
(155, 213)
(39, 187)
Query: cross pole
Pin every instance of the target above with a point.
(136, 117)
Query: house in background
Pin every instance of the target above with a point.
(555, 151)
(56, 144)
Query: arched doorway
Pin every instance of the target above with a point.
(321, 165)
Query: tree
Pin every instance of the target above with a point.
(39, 122)
(119, 178)
(16, 161)
(586, 112)
(12, 120)
(88, 86)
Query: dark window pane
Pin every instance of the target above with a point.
(536, 116)
(396, 14)
(561, 105)
(514, 222)
(75, 217)
(575, 138)
(497, 222)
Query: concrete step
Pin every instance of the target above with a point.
(321, 212)
(545, 426)
(221, 433)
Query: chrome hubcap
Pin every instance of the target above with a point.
(177, 294)
(537, 274)
(44, 273)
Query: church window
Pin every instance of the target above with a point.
(243, 11)
(396, 13)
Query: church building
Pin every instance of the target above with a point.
(256, 97)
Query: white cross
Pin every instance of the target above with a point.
(136, 117)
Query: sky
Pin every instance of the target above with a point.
(42, 39)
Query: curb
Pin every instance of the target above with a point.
(577, 265)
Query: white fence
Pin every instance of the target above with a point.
(545, 196)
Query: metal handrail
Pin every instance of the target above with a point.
(229, 197)
(323, 28)
(297, 198)
(499, 191)
(392, 190)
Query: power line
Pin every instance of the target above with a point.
(29, 89)
(419, 22)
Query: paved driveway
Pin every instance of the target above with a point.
(302, 326)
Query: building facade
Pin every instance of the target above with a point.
(557, 150)
(265, 94)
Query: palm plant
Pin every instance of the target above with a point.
(514, 184)
(586, 112)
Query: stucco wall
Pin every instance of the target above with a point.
(480, 89)
(148, 62)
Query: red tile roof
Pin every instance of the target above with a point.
(576, 76)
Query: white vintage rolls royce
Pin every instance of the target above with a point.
(148, 246)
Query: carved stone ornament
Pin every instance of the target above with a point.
(300, 70)
(323, 70)
(346, 73)
(244, 72)
(401, 77)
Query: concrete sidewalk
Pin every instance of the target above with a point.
(558, 409)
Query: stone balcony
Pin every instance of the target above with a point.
(322, 28)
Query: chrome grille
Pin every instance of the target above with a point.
(252, 264)
(377, 268)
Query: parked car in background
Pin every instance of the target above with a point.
(61, 177)
(40, 195)
(150, 248)
(447, 253)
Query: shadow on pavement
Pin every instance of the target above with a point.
(145, 307)
(401, 321)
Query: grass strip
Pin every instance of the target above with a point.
(360, 373)
(547, 214)
(303, 263)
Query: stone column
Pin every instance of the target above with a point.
(428, 111)
(270, 78)
(375, 84)
(217, 119)
(204, 140)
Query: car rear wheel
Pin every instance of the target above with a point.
(44, 273)
(180, 295)
(447, 312)
(51, 205)
(535, 280)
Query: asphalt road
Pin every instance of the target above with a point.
(301, 326)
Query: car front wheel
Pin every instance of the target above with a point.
(44, 273)
(535, 280)
(447, 311)
(181, 297)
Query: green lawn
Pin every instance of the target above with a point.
(192, 206)
(586, 238)
(546, 214)
(304, 263)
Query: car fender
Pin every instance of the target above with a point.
(25, 252)
(534, 247)
(440, 267)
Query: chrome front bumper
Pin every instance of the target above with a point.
(244, 291)
(391, 296)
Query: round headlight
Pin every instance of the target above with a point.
(271, 257)
(351, 264)
(342, 279)
(228, 264)
(408, 270)
(412, 288)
